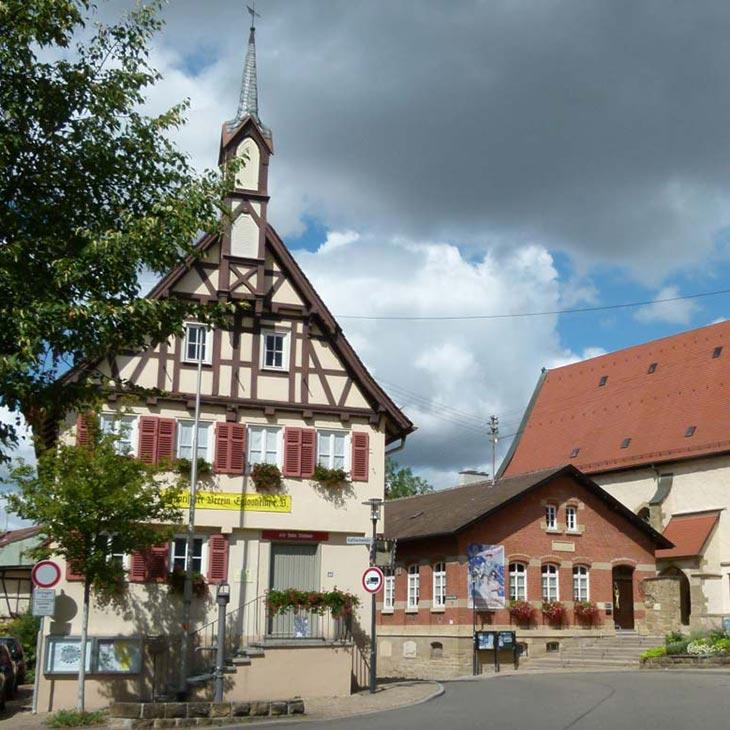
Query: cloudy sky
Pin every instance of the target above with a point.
(440, 158)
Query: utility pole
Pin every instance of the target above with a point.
(494, 432)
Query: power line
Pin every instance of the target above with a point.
(576, 310)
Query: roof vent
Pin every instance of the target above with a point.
(652, 369)
(690, 431)
(602, 381)
(418, 514)
(717, 352)
(625, 443)
(575, 452)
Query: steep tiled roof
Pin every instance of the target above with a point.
(23, 533)
(447, 511)
(689, 534)
(661, 401)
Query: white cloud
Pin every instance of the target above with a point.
(677, 312)
(337, 239)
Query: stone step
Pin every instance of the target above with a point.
(575, 664)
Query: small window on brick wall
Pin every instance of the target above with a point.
(551, 517)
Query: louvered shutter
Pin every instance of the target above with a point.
(148, 428)
(236, 448)
(156, 559)
(217, 558)
(72, 574)
(137, 568)
(292, 452)
(222, 458)
(360, 456)
(83, 437)
(309, 452)
(165, 439)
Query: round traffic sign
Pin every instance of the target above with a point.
(373, 579)
(45, 574)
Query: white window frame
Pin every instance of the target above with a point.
(203, 552)
(207, 343)
(438, 597)
(571, 518)
(581, 575)
(331, 434)
(388, 590)
(285, 337)
(110, 554)
(550, 575)
(414, 587)
(116, 423)
(517, 581)
(208, 426)
(265, 429)
(551, 516)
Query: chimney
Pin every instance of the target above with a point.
(469, 476)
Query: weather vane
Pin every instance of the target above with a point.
(254, 14)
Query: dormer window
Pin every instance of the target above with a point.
(717, 352)
(196, 344)
(602, 381)
(690, 431)
(275, 354)
(575, 452)
(625, 443)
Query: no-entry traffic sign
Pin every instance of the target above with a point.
(373, 579)
(45, 574)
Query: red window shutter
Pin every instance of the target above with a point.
(165, 439)
(137, 568)
(309, 452)
(72, 574)
(360, 456)
(156, 563)
(222, 458)
(217, 558)
(292, 452)
(148, 429)
(236, 448)
(83, 437)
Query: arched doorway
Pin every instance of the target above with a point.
(623, 596)
(685, 604)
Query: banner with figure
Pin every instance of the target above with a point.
(486, 576)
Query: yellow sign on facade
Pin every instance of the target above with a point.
(247, 502)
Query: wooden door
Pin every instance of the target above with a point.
(623, 597)
(294, 565)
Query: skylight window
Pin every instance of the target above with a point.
(717, 352)
(602, 381)
(575, 452)
(625, 443)
(690, 431)
(652, 369)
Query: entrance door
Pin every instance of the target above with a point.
(294, 566)
(623, 597)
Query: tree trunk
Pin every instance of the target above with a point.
(80, 703)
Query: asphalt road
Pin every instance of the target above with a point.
(588, 701)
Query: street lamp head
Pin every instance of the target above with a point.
(223, 593)
(375, 504)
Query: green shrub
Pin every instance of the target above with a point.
(655, 651)
(74, 718)
(677, 647)
(674, 636)
(723, 645)
(717, 635)
(25, 628)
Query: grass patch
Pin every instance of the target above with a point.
(74, 718)
(655, 651)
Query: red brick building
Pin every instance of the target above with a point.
(565, 539)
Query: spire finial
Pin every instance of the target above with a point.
(248, 103)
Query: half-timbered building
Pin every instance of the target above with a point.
(280, 386)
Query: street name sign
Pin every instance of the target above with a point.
(358, 540)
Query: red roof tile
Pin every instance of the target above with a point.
(689, 534)
(571, 410)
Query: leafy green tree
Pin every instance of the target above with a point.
(91, 501)
(92, 193)
(402, 482)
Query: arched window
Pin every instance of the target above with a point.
(550, 590)
(414, 586)
(388, 590)
(439, 585)
(580, 583)
(517, 582)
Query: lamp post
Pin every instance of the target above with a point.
(222, 597)
(375, 504)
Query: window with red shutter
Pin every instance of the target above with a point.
(217, 558)
(72, 574)
(156, 559)
(137, 568)
(148, 429)
(83, 437)
(237, 448)
(222, 458)
(360, 456)
(292, 452)
(165, 439)
(309, 452)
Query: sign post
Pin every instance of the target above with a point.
(372, 581)
(45, 575)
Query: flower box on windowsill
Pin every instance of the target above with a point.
(331, 478)
(266, 477)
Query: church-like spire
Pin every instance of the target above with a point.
(248, 103)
